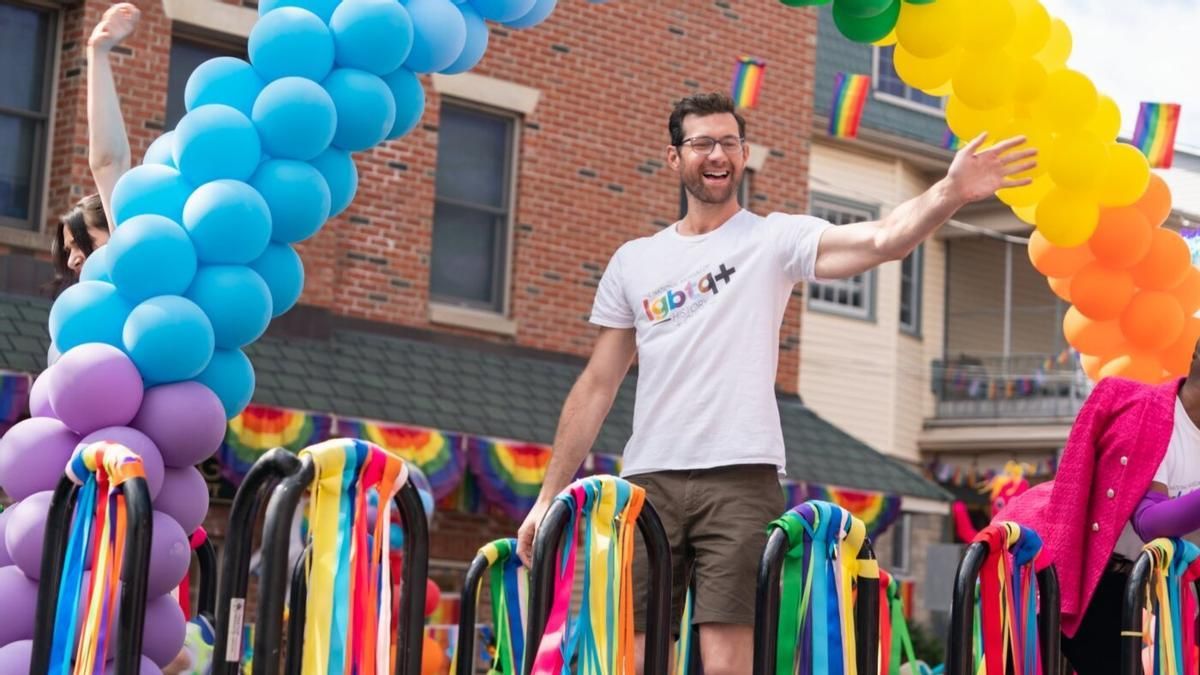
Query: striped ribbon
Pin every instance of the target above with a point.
(509, 584)
(601, 635)
(97, 537)
(816, 622)
(1176, 565)
(1008, 600)
(895, 642)
(348, 621)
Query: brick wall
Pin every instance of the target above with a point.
(591, 171)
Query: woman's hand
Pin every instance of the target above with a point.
(118, 23)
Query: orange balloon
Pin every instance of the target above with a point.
(1101, 293)
(1140, 367)
(1177, 357)
(1098, 338)
(1122, 238)
(1091, 366)
(433, 657)
(1165, 265)
(1152, 320)
(1055, 261)
(1188, 292)
(1061, 286)
(1156, 201)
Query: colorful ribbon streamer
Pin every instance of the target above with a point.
(895, 642)
(509, 583)
(877, 510)
(1008, 600)
(1172, 606)
(436, 453)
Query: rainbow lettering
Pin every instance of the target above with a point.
(660, 307)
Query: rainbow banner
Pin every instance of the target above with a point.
(747, 81)
(601, 464)
(14, 395)
(509, 473)
(877, 510)
(1154, 134)
(437, 454)
(950, 141)
(849, 99)
(260, 428)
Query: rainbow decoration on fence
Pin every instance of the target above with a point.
(260, 428)
(1008, 597)
(509, 473)
(1154, 133)
(895, 643)
(849, 99)
(1171, 606)
(747, 81)
(877, 510)
(509, 585)
(436, 453)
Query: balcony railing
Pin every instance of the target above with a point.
(1024, 386)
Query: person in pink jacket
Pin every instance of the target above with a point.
(1130, 473)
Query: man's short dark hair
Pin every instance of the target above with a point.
(702, 104)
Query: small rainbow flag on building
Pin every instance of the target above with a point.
(849, 98)
(747, 81)
(951, 141)
(1154, 134)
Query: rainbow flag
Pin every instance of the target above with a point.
(1154, 134)
(849, 98)
(747, 81)
(951, 141)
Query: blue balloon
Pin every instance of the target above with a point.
(89, 311)
(322, 8)
(97, 266)
(159, 151)
(231, 377)
(297, 195)
(169, 339)
(150, 188)
(296, 118)
(540, 12)
(226, 80)
(395, 536)
(476, 44)
(337, 166)
(151, 255)
(216, 141)
(366, 110)
(228, 221)
(290, 41)
(371, 35)
(439, 35)
(409, 96)
(502, 10)
(236, 300)
(283, 271)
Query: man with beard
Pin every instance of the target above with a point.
(701, 304)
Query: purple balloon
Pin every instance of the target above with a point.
(185, 420)
(165, 630)
(26, 532)
(15, 657)
(170, 556)
(33, 455)
(184, 497)
(39, 396)
(5, 558)
(141, 445)
(20, 604)
(95, 386)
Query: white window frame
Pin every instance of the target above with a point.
(866, 312)
(901, 101)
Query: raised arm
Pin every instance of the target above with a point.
(974, 175)
(108, 144)
(583, 412)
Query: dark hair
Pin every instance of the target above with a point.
(88, 213)
(702, 104)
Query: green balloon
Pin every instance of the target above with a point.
(870, 29)
(862, 9)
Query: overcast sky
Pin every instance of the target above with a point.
(1139, 50)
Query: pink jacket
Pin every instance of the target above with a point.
(1116, 444)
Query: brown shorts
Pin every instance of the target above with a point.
(716, 521)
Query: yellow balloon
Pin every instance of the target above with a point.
(1036, 137)
(1027, 214)
(1033, 28)
(1057, 48)
(1077, 160)
(986, 80)
(887, 40)
(1106, 121)
(1068, 101)
(931, 29)
(988, 25)
(926, 74)
(1126, 177)
(1066, 218)
(1029, 195)
(967, 122)
(1030, 80)
(946, 89)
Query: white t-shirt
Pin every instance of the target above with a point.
(1179, 471)
(707, 310)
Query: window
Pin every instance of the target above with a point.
(902, 544)
(473, 207)
(27, 52)
(853, 296)
(743, 193)
(911, 269)
(186, 56)
(888, 83)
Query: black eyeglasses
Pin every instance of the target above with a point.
(704, 145)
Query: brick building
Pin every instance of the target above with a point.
(454, 292)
